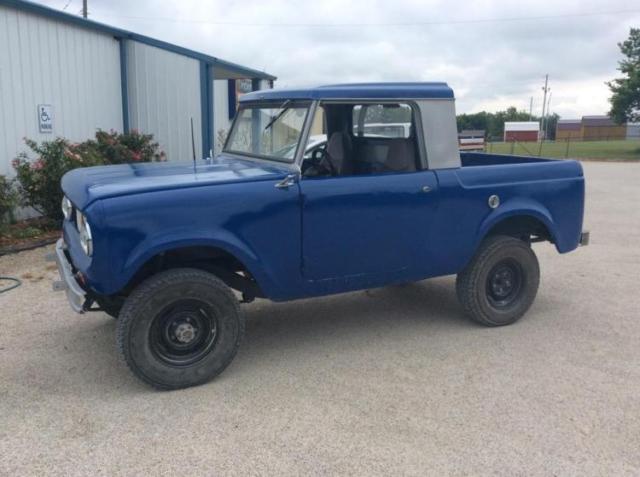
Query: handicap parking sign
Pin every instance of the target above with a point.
(45, 118)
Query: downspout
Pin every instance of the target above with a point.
(124, 86)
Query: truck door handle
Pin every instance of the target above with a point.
(286, 182)
(426, 189)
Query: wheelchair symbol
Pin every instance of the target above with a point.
(44, 116)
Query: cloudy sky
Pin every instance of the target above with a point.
(493, 53)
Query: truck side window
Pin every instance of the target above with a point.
(382, 120)
(350, 139)
(384, 138)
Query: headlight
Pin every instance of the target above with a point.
(67, 208)
(85, 233)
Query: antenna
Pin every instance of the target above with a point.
(193, 146)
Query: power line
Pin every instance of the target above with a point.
(350, 25)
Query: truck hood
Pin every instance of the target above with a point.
(86, 185)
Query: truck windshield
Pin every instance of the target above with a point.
(268, 131)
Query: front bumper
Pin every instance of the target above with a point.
(76, 295)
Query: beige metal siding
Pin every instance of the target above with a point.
(164, 94)
(603, 133)
(46, 62)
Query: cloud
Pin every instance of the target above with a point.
(490, 64)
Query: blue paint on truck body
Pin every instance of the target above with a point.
(321, 235)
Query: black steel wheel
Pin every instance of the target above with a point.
(179, 328)
(504, 283)
(184, 333)
(500, 283)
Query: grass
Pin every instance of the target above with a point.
(598, 150)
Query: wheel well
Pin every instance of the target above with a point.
(524, 227)
(210, 259)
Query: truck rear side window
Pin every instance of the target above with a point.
(382, 120)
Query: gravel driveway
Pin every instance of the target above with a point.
(391, 380)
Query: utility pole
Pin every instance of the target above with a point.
(544, 100)
(84, 9)
(530, 108)
(546, 131)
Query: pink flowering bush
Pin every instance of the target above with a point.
(39, 178)
(8, 200)
(115, 148)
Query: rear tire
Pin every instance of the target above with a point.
(500, 283)
(179, 328)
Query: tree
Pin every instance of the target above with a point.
(625, 101)
(550, 125)
(492, 123)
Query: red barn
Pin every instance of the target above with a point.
(521, 131)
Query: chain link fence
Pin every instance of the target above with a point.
(597, 148)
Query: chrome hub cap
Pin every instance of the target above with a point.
(185, 333)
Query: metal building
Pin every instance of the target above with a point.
(602, 128)
(471, 139)
(633, 131)
(63, 75)
(568, 129)
(521, 131)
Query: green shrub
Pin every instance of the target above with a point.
(25, 232)
(8, 201)
(39, 178)
(221, 139)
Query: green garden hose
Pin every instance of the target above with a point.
(15, 281)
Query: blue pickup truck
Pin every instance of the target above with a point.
(172, 249)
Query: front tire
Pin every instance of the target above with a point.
(500, 283)
(110, 306)
(179, 328)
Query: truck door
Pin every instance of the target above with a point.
(368, 226)
(367, 218)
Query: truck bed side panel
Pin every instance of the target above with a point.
(550, 191)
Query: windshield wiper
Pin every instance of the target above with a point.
(284, 109)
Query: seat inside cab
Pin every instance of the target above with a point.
(362, 139)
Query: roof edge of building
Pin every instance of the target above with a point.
(52, 13)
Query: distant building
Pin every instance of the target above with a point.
(633, 131)
(602, 128)
(521, 131)
(568, 129)
(471, 139)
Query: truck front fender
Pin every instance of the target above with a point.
(220, 239)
